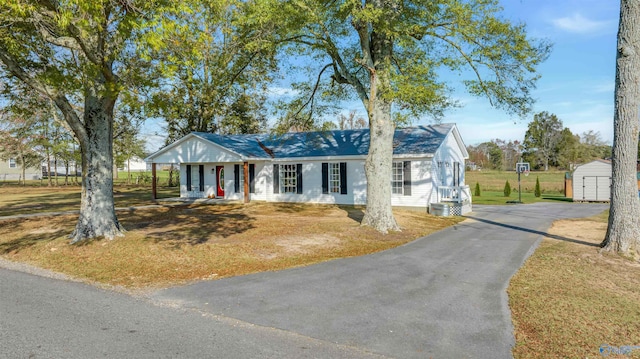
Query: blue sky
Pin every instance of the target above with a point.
(577, 81)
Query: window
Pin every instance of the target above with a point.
(401, 178)
(238, 179)
(397, 178)
(334, 177)
(238, 172)
(456, 174)
(442, 172)
(189, 184)
(12, 163)
(288, 179)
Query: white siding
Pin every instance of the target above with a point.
(592, 182)
(260, 182)
(442, 167)
(209, 179)
(195, 150)
(312, 184)
(421, 185)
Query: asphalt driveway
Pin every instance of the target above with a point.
(442, 296)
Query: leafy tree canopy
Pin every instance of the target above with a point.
(424, 38)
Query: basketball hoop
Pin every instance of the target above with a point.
(522, 167)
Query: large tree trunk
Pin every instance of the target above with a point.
(97, 209)
(378, 170)
(379, 214)
(623, 232)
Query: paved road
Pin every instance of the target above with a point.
(442, 296)
(50, 318)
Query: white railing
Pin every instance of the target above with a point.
(458, 194)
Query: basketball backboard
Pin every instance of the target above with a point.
(522, 167)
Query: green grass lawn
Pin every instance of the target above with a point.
(492, 186)
(527, 197)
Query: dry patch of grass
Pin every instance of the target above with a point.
(568, 299)
(167, 246)
(36, 199)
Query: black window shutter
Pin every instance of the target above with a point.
(188, 177)
(343, 178)
(252, 178)
(276, 179)
(325, 177)
(299, 178)
(406, 174)
(236, 178)
(201, 177)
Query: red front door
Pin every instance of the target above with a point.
(220, 181)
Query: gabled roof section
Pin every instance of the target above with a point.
(420, 140)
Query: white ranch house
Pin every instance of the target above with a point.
(320, 167)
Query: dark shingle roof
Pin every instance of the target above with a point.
(412, 140)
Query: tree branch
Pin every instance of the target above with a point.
(60, 100)
(469, 61)
(313, 93)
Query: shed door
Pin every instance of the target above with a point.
(596, 188)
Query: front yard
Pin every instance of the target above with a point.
(171, 245)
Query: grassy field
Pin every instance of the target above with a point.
(165, 246)
(568, 299)
(34, 198)
(142, 178)
(492, 186)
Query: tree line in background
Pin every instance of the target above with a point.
(546, 144)
(35, 135)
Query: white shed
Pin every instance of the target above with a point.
(592, 182)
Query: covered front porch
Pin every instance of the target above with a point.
(208, 181)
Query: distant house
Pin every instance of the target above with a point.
(10, 170)
(321, 167)
(135, 164)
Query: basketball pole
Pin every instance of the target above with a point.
(519, 190)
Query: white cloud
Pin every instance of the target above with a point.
(282, 91)
(605, 87)
(577, 23)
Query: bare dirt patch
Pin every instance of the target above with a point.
(305, 244)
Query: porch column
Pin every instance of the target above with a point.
(246, 182)
(154, 190)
